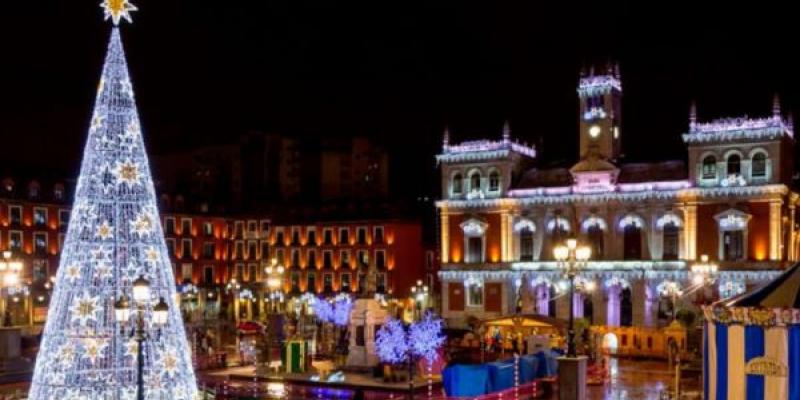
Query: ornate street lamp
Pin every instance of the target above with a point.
(705, 272)
(124, 309)
(275, 284)
(671, 290)
(419, 296)
(10, 269)
(571, 259)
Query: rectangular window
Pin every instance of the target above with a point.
(208, 250)
(186, 226)
(169, 226)
(63, 218)
(733, 245)
(15, 215)
(362, 282)
(295, 236)
(327, 259)
(252, 272)
(327, 234)
(380, 258)
(208, 274)
(41, 270)
(280, 256)
(344, 236)
(39, 216)
(475, 295)
(279, 240)
(295, 282)
(252, 227)
(295, 258)
(344, 258)
(363, 259)
(186, 271)
(265, 250)
(15, 241)
(252, 246)
(171, 247)
(381, 283)
(238, 227)
(239, 250)
(429, 260)
(240, 272)
(61, 238)
(40, 243)
(186, 248)
(327, 281)
(378, 235)
(208, 229)
(311, 282)
(311, 236)
(346, 282)
(264, 226)
(312, 259)
(475, 249)
(361, 235)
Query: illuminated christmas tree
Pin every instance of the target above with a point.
(114, 237)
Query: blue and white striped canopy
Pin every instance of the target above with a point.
(783, 292)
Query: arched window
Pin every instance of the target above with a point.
(526, 244)
(494, 181)
(670, 245)
(475, 181)
(458, 184)
(734, 164)
(595, 236)
(551, 302)
(626, 308)
(632, 236)
(709, 167)
(759, 165)
(588, 309)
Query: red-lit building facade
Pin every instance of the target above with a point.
(209, 252)
(647, 223)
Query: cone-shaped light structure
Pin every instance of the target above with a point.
(114, 237)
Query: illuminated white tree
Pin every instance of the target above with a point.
(114, 236)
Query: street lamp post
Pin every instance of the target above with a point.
(234, 286)
(704, 272)
(672, 290)
(419, 295)
(122, 312)
(571, 258)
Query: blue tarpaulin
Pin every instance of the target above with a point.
(466, 380)
(548, 365)
(527, 368)
(501, 375)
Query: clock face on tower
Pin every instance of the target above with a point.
(594, 131)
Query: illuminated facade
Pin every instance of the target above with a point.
(500, 217)
(209, 251)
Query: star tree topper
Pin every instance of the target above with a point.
(117, 10)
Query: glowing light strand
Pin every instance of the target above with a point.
(82, 353)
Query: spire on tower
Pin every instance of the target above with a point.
(776, 106)
(506, 132)
(446, 138)
(693, 115)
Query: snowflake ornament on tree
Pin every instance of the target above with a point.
(113, 237)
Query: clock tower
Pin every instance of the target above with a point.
(600, 113)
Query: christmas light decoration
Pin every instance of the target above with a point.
(390, 342)
(323, 310)
(425, 337)
(114, 236)
(342, 307)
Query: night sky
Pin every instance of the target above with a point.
(207, 71)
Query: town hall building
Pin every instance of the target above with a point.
(647, 223)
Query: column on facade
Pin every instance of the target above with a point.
(614, 296)
(542, 299)
(539, 235)
(445, 239)
(775, 230)
(640, 302)
(690, 231)
(599, 311)
(506, 236)
(562, 306)
(652, 237)
(528, 294)
(577, 306)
